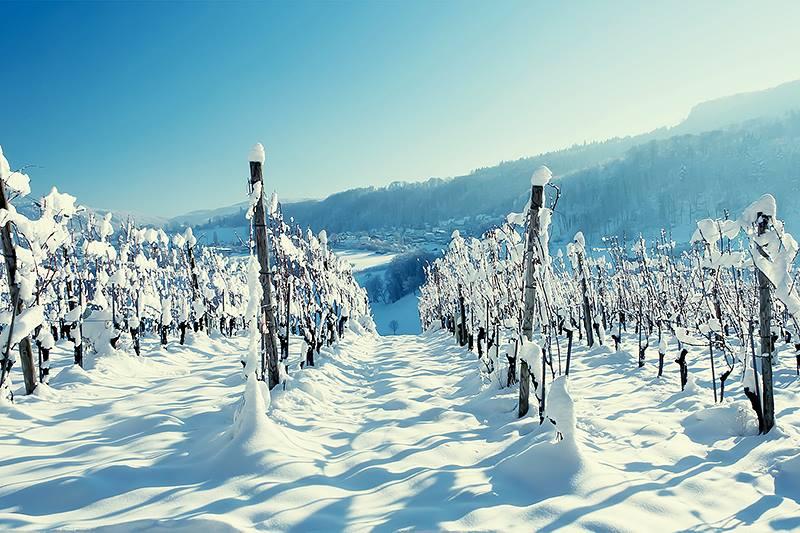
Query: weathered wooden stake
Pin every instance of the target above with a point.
(524, 388)
(462, 334)
(262, 250)
(570, 333)
(587, 307)
(288, 317)
(764, 322)
(25, 350)
(537, 201)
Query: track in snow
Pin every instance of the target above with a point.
(388, 433)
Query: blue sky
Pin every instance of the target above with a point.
(152, 106)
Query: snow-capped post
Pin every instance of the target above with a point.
(539, 179)
(773, 251)
(10, 254)
(765, 331)
(584, 273)
(577, 253)
(257, 157)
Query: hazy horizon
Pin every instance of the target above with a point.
(166, 99)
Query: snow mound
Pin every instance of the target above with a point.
(561, 408)
(787, 477)
(250, 425)
(544, 466)
(72, 376)
(550, 462)
(719, 422)
(541, 176)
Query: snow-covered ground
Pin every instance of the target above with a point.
(404, 311)
(361, 260)
(391, 433)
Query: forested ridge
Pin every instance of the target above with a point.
(654, 181)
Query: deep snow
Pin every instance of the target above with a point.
(388, 433)
(405, 311)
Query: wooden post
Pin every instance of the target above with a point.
(587, 308)
(79, 324)
(544, 387)
(713, 370)
(537, 201)
(439, 295)
(462, 335)
(764, 322)
(71, 304)
(570, 333)
(262, 250)
(524, 388)
(531, 258)
(288, 316)
(10, 254)
(195, 284)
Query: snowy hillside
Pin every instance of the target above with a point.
(729, 110)
(759, 143)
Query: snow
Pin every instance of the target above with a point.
(388, 433)
(254, 294)
(517, 219)
(580, 242)
(59, 203)
(257, 154)
(531, 353)
(24, 324)
(361, 260)
(273, 204)
(541, 176)
(404, 311)
(104, 227)
(765, 205)
(16, 181)
(253, 198)
(251, 425)
(189, 238)
(101, 249)
(561, 409)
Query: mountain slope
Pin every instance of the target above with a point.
(490, 193)
(672, 183)
(723, 112)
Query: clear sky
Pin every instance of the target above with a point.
(153, 106)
